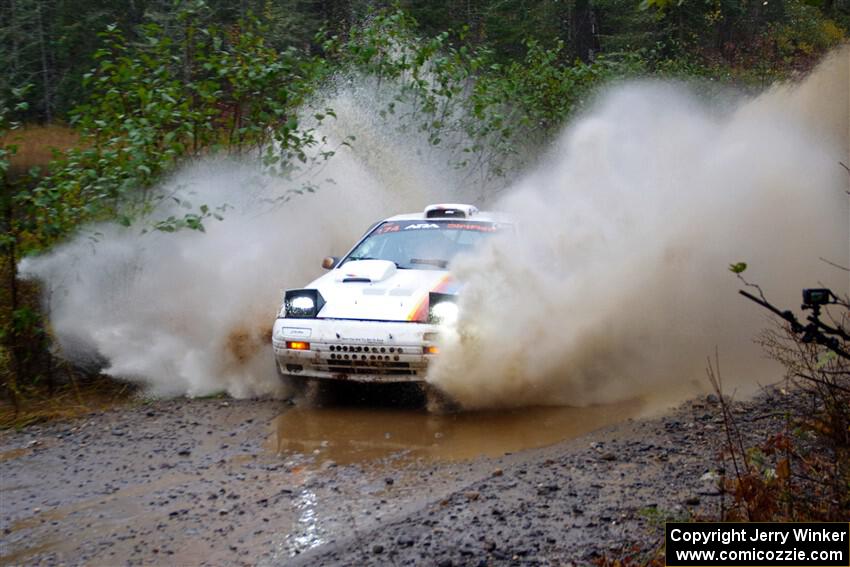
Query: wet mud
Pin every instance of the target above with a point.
(211, 482)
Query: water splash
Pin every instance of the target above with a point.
(190, 312)
(617, 286)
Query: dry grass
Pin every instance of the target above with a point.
(36, 144)
(67, 402)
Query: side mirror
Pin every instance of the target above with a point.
(329, 263)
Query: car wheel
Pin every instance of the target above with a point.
(437, 401)
(314, 392)
(303, 390)
(295, 385)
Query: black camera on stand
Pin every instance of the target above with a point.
(815, 297)
(816, 331)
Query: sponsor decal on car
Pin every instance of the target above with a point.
(421, 225)
(396, 226)
(388, 227)
(473, 226)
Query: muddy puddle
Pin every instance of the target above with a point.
(347, 435)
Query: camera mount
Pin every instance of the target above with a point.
(816, 331)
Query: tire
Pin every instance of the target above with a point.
(305, 391)
(295, 385)
(314, 392)
(437, 401)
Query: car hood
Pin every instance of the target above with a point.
(369, 289)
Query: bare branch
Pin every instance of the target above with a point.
(756, 286)
(834, 265)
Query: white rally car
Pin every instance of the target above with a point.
(375, 316)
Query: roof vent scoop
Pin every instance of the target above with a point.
(450, 211)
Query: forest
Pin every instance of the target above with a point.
(99, 101)
(49, 46)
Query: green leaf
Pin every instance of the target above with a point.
(738, 268)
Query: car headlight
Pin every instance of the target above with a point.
(442, 308)
(302, 303)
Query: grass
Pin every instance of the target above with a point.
(68, 401)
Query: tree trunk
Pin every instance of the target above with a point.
(12, 336)
(585, 43)
(15, 44)
(828, 7)
(45, 73)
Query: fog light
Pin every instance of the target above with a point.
(297, 345)
(431, 350)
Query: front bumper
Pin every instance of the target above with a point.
(353, 350)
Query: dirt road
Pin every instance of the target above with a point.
(211, 482)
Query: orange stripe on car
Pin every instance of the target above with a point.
(420, 312)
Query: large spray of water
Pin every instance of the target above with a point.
(190, 312)
(617, 285)
(615, 288)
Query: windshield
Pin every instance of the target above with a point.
(422, 244)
